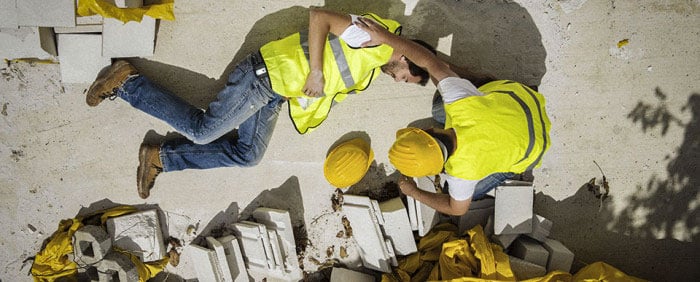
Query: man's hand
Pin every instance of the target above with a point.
(376, 32)
(407, 185)
(314, 84)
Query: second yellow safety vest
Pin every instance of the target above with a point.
(506, 130)
(346, 70)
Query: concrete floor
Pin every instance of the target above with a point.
(633, 109)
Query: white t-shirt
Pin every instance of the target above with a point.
(453, 89)
(353, 35)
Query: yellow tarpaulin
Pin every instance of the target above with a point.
(163, 10)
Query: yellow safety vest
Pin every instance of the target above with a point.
(346, 70)
(506, 130)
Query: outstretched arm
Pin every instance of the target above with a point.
(442, 203)
(413, 51)
(321, 22)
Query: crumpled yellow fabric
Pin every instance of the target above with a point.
(52, 262)
(163, 11)
(600, 271)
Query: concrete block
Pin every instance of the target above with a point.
(343, 275)
(205, 263)
(132, 39)
(478, 214)
(280, 221)
(46, 13)
(27, 42)
(117, 267)
(234, 258)
(91, 243)
(252, 245)
(525, 270)
(138, 233)
(397, 226)
(368, 237)
(81, 28)
(560, 257)
(8, 14)
(427, 216)
(540, 228)
(530, 250)
(80, 57)
(220, 261)
(505, 240)
(513, 209)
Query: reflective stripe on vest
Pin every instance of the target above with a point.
(340, 60)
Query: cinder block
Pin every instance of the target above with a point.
(525, 270)
(505, 240)
(368, 237)
(27, 42)
(252, 245)
(91, 243)
(343, 275)
(132, 39)
(530, 250)
(46, 13)
(513, 209)
(221, 261)
(80, 57)
(117, 267)
(234, 258)
(205, 263)
(560, 257)
(138, 233)
(478, 214)
(8, 14)
(427, 216)
(397, 226)
(540, 228)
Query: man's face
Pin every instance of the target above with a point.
(398, 69)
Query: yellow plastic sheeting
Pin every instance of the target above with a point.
(163, 11)
(600, 271)
(52, 263)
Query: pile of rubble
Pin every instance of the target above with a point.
(83, 45)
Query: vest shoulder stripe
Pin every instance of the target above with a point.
(530, 123)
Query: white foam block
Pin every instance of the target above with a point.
(221, 261)
(252, 245)
(131, 39)
(427, 216)
(138, 233)
(368, 237)
(234, 258)
(397, 226)
(205, 263)
(27, 42)
(513, 210)
(46, 13)
(80, 57)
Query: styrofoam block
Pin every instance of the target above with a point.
(252, 245)
(82, 28)
(365, 201)
(27, 42)
(221, 261)
(91, 243)
(205, 263)
(513, 211)
(530, 250)
(412, 213)
(131, 39)
(128, 3)
(427, 216)
(367, 235)
(392, 254)
(46, 13)
(397, 226)
(138, 233)
(276, 250)
(560, 257)
(89, 20)
(525, 270)
(280, 221)
(234, 258)
(540, 228)
(478, 214)
(117, 267)
(343, 275)
(80, 57)
(509, 182)
(8, 14)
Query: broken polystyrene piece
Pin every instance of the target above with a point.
(276, 251)
(138, 233)
(368, 237)
(234, 258)
(280, 221)
(513, 210)
(253, 245)
(206, 264)
(427, 216)
(392, 254)
(397, 226)
(221, 261)
(412, 216)
(377, 211)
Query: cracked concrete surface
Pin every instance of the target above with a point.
(634, 109)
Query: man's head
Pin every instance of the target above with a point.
(403, 70)
(416, 153)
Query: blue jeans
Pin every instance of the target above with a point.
(489, 183)
(247, 102)
(438, 109)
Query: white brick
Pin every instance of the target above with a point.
(138, 233)
(525, 270)
(91, 243)
(205, 263)
(130, 39)
(27, 42)
(513, 211)
(46, 13)
(343, 275)
(117, 267)
(368, 237)
(397, 226)
(560, 257)
(530, 250)
(8, 14)
(80, 57)
(427, 216)
(221, 261)
(478, 214)
(540, 228)
(252, 245)
(234, 258)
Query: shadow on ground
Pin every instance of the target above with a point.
(656, 236)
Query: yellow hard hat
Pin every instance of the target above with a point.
(415, 153)
(347, 163)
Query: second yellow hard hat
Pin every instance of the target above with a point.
(347, 163)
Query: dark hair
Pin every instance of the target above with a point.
(414, 69)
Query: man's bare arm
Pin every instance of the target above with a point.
(442, 203)
(321, 22)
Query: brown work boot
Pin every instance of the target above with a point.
(108, 81)
(149, 167)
